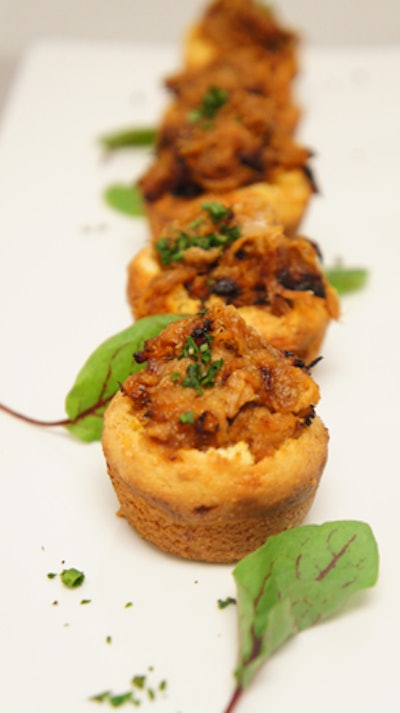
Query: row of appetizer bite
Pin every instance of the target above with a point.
(215, 444)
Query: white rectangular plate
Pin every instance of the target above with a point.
(62, 282)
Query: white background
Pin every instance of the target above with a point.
(23, 22)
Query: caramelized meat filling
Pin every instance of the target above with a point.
(211, 381)
(234, 23)
(242, 75)
(245, 68)
(233, 138)
(214, 256)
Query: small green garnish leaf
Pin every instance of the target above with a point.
(199, 377)
(133, 138)
(134, 696)
(217, 211)
(120, 699)
(187, 417)
(297, 579)
(212, 101)
(72, 577)
(223, 603)
(171, 248)
(125, 199)
(100, 377)
(101, 697)
(346, 279)
(139, 681)
(51, 575)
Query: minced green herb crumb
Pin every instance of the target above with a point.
(187, 417)
(212, 101)
(121, 698)
(171, 248)
(139, 681)
(140, 687)
(223, 603)
(199, 378)
(72, 577)
(100, 697)
(217, 211)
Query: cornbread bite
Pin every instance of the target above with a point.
(232, 140)
(215, 444)
(237, 254)
(287, 194)
(231, 121)
(244, 77)
(226, 26)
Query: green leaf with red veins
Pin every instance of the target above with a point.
(297, 579)
(103, 373)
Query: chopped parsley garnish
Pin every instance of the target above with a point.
(134, 696)
(217, 211)
(101, 697)
(212, 101)
(72, 577)
(172, 248)
(139, 681)
(120, 699)
(223, 603)
(187, 417)
(199, 377)
(200, 374)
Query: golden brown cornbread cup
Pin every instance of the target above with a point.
(302, 329)
(294, 318)
(287, 194)
(216, 504)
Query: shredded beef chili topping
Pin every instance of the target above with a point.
(211, 381)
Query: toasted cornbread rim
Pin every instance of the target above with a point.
(227, 479)
(302, 329)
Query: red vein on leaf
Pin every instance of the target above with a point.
(91, 411)
(109, 375)
(335, 559)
